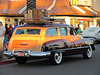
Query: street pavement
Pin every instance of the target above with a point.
(71, 65)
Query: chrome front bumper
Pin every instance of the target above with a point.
(98, 38)
(27, 53)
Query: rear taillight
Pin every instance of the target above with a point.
(6, 46)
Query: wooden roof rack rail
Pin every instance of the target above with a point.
(43, 21)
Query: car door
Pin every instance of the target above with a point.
(74, 36)
(51, 34)
(64, 33)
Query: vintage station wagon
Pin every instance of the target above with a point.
(53, 41)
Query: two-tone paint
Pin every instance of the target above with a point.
(39, 45)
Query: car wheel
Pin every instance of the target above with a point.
(88, 53)
(56, 58)
(21, 60)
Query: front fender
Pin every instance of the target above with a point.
(88, 41)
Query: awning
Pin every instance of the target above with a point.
(85, 20)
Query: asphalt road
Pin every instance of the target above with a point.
(73, 65)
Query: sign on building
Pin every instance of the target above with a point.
(81, 2)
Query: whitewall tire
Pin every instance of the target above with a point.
(56, 58)
(88, 53)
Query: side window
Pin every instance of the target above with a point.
(63, 31)
(51, 32)
(27, 31)
(71, 31)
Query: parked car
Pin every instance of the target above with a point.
(53, 41)
(92, 32)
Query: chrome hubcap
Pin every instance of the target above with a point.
(89, 52)
(58, 57)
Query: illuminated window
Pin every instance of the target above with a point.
(71, 22)
(8, 20)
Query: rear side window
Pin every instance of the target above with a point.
(63, 31)
(51, 32)
(71, 31)
(27, 31)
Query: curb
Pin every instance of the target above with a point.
(7, 62)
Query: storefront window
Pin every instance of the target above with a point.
(75, 21)
(86, 24)
(16, 20)
(98, 22)
(71, 22)
(8, 20)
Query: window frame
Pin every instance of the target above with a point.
(52, 28)
(66, 31)
(27, 32)
(73, 30)
(14, 33)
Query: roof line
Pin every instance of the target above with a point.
(79, 9)
(53, 4)
(91, 10)
(67, 6)
(75, 15)
(22, 10)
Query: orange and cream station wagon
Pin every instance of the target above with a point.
(53, 41)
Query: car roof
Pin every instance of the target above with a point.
(43, 25)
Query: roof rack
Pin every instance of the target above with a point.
(43, 21)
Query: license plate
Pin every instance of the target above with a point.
(21, 54)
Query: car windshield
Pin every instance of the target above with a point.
(27, 31)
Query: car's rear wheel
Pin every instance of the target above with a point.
(88, 53)
(56, 58)
(21, 60)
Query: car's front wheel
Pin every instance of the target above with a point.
(88, 53)
(21, 60)
(56, 58)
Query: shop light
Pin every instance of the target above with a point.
(91, 10)
(79, 9)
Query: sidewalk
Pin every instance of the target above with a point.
(5, 60)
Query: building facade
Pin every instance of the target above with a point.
(97, 7)
(75, 12)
